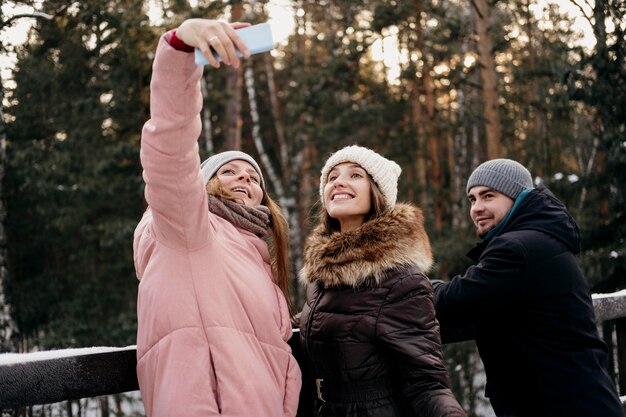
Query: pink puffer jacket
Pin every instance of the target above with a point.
(212, 325)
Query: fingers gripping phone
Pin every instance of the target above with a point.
(257, 38)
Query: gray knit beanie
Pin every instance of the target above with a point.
(503, 175)
(210, 166)
(384, 172)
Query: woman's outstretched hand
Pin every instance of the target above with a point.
(219, 35)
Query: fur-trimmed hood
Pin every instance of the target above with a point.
(361, 257)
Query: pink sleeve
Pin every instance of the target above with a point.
(169, 151)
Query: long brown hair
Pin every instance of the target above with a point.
(279, 232)
(377, 209)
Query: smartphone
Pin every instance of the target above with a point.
(257, 38)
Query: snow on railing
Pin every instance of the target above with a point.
(48, 377)
(609, 306)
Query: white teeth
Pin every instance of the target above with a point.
(342, 197)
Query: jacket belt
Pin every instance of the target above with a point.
(353, 391)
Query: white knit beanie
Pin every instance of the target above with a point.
(503, 175)
(384, 172)
(210, 166)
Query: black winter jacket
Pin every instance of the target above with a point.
(368, 327)
(533, 317)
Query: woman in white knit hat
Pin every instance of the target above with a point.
(213, 303)
(368, 327)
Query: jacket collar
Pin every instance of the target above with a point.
(362, 256)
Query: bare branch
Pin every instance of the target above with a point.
(582, 10)
(34, 15)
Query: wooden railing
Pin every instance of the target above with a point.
(29, 379)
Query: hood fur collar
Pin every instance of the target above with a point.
(361, 257)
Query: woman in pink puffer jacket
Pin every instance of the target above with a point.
(213, 304)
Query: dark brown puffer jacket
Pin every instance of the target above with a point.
(368, 327)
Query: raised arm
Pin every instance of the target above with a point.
(169, 148)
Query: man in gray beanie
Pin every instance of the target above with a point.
(527, 302)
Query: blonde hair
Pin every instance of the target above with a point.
(279, 232)
(377, 209)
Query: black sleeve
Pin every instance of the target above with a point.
(408, 331)
(499, 279)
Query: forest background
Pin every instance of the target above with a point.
(473, 80)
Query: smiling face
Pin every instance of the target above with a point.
(241, 179)
(347, 195)
(488, 208)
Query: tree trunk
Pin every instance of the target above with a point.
(420, 157)
(104, 406)
(586, 168)
(460, 146)
(602, 59)
(536, 124)
(275, 180)
(277, 114)
(428, 124)
(118, 405)
(454, 195)
(207, 125)
(303, 184)
(301, 38)
(489, 78)
(478, 153)
(286, 202)
(7, 325)
(233, 88)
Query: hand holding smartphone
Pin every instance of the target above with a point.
(257, 38)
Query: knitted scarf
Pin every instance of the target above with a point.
(253, 219)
